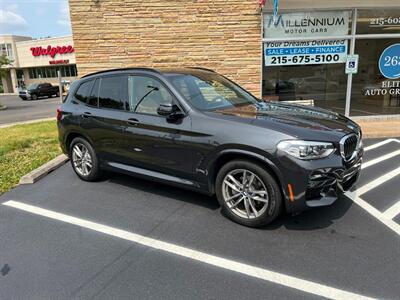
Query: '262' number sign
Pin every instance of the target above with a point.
(389, 63)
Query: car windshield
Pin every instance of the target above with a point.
(209, 92)
(32, 86)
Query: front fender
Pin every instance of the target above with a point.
(225, 155)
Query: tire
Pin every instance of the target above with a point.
(58, 94)
(263, 196)
(34, 97)
(93, 173)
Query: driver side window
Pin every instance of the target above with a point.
(146, 94)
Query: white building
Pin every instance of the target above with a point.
(36, 60)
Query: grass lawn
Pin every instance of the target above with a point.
(24, 148)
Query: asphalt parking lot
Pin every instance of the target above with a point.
(19, 110)
(126, 238)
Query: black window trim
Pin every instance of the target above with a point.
(90, 93)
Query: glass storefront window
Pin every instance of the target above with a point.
(309, 69)
(51, 72)
(325, 85)
(384, 21)
(373, 93)
(305, 55)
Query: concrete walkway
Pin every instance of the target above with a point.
(380, 128)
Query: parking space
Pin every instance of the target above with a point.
(129, 238)
(378, 190)
(20, 111)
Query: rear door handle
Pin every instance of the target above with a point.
(86, 114)
(133, 121)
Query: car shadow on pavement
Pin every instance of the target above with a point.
(312, 219)
(164, 190)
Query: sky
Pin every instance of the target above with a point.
(35, 18)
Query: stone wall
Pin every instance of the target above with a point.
(223, 35)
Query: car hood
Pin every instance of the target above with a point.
(296, 120)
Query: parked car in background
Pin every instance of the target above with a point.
(37, 90)
(196, 129)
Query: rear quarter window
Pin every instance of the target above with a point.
(83, 92)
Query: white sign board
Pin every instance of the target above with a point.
(305, 52)
(307, 24)
(352, 64)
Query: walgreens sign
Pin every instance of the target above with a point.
(52, 51)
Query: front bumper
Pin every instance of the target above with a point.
(327, 184)
(317, 183)
(24, 96)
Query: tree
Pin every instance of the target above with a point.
(4, 61)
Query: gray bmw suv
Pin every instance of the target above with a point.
(196, 129)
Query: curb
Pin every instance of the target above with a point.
(43, 170)
(380, 135)
(4, 107)
(26, 122)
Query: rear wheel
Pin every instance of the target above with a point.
(248, 194)
(84, 160)
(58, 94)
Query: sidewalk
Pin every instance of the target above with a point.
(26, 122)
(380, 128)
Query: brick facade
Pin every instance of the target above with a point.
(218, 34)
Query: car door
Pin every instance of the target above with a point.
(101, 116)
(40, 90)
(155, 142)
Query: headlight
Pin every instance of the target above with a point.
(306, 150)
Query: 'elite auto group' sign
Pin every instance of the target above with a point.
(52, 51)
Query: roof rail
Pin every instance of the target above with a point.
(200, 68)
(121, 69)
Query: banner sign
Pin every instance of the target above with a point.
(305, 52)
(307, 24)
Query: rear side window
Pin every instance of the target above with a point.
(113, 92)
(83, 92)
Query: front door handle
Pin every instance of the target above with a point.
(86, 114)
(133, 121)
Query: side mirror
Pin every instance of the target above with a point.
(165, 109)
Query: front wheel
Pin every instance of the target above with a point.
(34, 97)
(248, 194)
(84, 160)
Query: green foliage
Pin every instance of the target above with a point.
(24, 148)
(4, 61)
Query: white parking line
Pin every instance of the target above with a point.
(374, 146)
(380, 159)
(392, 211)
(374, 212)
(380, 180)
(264, 274)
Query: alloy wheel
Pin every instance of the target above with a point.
(82, 159)
(245, 193)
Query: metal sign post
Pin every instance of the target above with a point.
(60, 89)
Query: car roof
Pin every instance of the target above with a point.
(163, 71)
